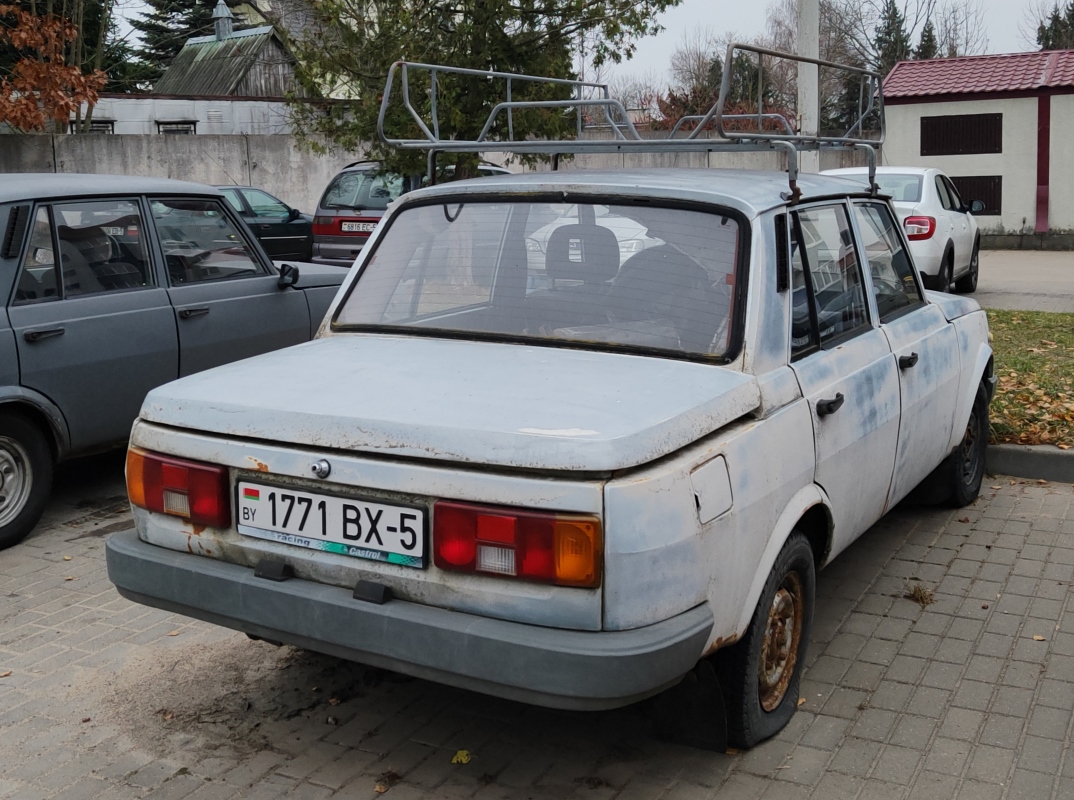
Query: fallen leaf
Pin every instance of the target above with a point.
(997, 487)
(85, 719)
(984, 605)
(169, 716)
(173, 633)
(380, 788)
(1038, 638)
(66, 558)
(801, 701)
(5, 674)
(734, 751)
(70, 578)
(461, 757)
(964, 520)
(333, 701)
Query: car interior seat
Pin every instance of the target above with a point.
(78, 275)
(580, 259)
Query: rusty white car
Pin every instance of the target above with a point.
(570, 494)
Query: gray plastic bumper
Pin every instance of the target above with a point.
(545, 666)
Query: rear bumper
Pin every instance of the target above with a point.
(544, 666)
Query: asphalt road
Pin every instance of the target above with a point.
(1026, 280)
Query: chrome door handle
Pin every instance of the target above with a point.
(826, 407)
(905, 362)
(44, 333)
(187, 313)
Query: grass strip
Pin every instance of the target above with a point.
(1034, 353)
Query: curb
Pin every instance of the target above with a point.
(1041, 462)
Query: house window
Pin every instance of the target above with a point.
(986, 188)
(961, 134)
(177, 127)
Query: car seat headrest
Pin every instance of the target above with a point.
(587, 253)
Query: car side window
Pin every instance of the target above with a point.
(201, 243)
(232, 196)
(264, 204)
(831, 273)
(956, 201)
(945, 198)
(894, 286)
(101, 246)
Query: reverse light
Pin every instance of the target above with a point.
(918, 228)
(564, 549)
(197, 492)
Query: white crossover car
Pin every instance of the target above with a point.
(572, 492)
(938, 223)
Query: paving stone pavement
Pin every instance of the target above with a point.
(970, 696)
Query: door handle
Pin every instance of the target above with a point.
(826, 407)
(187, 313)
(905, 362)
(44, 333)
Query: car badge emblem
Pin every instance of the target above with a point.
(322, 469)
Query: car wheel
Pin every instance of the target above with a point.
(761, 673)
(968, 283)
(946, 273)
(25, 477)
(967, 463)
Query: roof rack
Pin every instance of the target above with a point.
(624, 136)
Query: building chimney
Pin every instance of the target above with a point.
(222, 21)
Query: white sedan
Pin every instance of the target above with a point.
(939, 224)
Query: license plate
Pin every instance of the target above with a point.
(345, 525)
(111, 231)
(358, 227)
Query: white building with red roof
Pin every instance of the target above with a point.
(1002, 126)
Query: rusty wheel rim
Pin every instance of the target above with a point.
(782, 636)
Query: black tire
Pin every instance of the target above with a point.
(25, 477)
(942, 281)
(966, 466)
(967, 284)
(755, 711)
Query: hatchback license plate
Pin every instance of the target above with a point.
(358, 227)
(345, 525)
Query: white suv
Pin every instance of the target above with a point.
(939, 224)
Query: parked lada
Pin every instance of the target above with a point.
(112, 285)
(570, 491)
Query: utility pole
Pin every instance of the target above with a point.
(808, 78)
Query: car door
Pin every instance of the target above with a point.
(225, 296)
(845, 369)
(282, 234)
(923, 343)
(94, 330)
(947, 219)
(963, 230)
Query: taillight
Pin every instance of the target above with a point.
(199, 493)
(324, 226)
(564, 549)
(919, 227)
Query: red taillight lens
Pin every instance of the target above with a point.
(324, 226)
(918, 228)
(565, 549)
(194, 491)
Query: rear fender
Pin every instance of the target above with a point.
(976, 355)
(41, 408)
(804, 499)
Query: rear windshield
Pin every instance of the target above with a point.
(609, 275)
(362, 189)
(902, 188)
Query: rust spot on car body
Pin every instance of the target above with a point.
(260, 466)
(720, 643)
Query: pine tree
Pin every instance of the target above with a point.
(891, 40)
(165, 29)
(1057, 32)
(928, 46)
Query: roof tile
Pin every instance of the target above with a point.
(1006, 72)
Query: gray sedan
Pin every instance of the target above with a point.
(112, 286)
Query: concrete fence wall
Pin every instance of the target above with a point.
(274, 163)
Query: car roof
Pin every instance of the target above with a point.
(49, 185)
(748, 191)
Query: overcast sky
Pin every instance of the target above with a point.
(747, 18)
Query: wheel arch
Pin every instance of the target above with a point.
(983, 370)
(42, 412)
(809, 512)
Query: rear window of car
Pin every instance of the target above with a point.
(611, 276)
(362, 189)
(902, 188)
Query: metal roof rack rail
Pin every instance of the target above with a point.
(625, 137)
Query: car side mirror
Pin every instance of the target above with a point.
(977, 206)
(288, 276)
(293, 214)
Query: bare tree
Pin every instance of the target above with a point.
(638, 93)
(960, 28)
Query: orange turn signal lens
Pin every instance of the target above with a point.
(578, 551)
